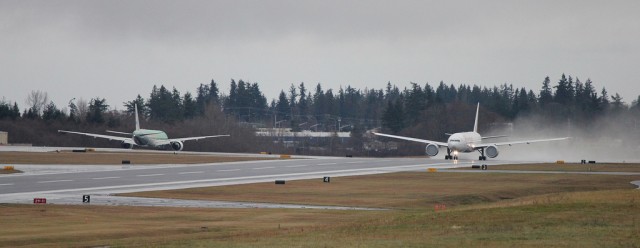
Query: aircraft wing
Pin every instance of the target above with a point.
(199, 138)
(413, 139)
(102, 136)
(520, 142)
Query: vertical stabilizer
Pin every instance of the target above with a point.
(138, 121)
(475, 126)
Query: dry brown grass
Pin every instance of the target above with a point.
(73, 226)
(489, 209)
(403, 190)
(66, 157)
(604, 167)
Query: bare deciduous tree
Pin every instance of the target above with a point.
(37, 99)
(83, 108)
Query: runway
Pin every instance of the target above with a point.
(63, 184)
(60, 185)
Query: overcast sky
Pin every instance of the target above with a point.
(118, 49)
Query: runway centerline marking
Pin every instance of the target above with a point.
(150, 175)
(56, 181)
(6, 184)
(294, 166)
(263, 168)
(191, 172)
(228, 170)
(327, 164)
(102, 178)
(355, 162)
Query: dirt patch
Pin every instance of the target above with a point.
(68, 157)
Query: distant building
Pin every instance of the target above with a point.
(288, 133)
(4, 138)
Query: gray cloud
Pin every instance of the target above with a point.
(116, 49)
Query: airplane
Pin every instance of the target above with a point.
(145, 137)
(466, 142)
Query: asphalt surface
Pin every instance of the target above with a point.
(66, 184)
(134, 178)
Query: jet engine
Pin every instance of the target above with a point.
(127, 145)
(491, 151)
(431, 150)
(177, 145)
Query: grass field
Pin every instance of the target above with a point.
(490, 209)
(83, 158)
(407, 190)
(602, 167)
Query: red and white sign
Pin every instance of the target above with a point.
(39, 200)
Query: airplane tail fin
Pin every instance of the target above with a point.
(475, 126)
(137, 120)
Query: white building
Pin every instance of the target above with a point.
(4, 138)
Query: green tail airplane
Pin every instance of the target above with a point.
(146, 137)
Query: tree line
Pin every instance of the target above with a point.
(409, 111)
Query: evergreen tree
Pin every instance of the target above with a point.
(635, 106)
(319, 102)
(303, 104)
(73, 111)
(617, 104)
(6, 111)
(164, 105)
(592, 101)
(139, 102)
(51, 112)
(415, 102)
(15, 112)
(97, 109)
(563, 92)
(189, 105)
(545, 93)
(231, 101)
(393, 117)
(604, 100)
(282, 106)
(214, 92)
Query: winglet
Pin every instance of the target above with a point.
(475, 126)
(137, 121)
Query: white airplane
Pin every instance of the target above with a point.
(467, 142)
(145, 137)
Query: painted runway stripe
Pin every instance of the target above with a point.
(6, 184)
(327, 164)
(229, 170)
(294, 166)
(355, 162)
(263, 168)
(102, 178)
(191, 172)
(56, 181)
(150, 175)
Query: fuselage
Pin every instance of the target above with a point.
(146, 137)
(464, 142)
